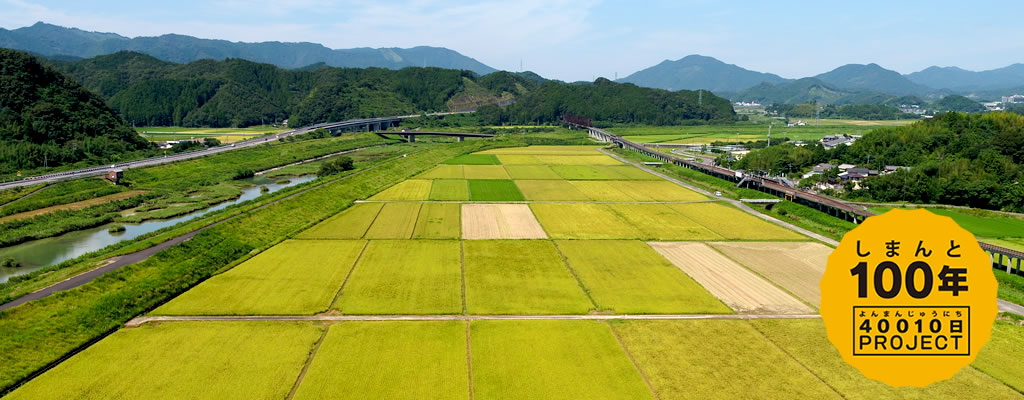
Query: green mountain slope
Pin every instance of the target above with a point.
(47, 119)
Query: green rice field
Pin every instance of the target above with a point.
(294, 277)
(520, 277)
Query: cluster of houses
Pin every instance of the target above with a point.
(848, 173)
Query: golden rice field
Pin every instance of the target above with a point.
(514, 273)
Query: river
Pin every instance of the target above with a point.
(54, 250)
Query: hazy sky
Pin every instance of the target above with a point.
(579, 40)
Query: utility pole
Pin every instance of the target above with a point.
(770, 133)
(700, 97)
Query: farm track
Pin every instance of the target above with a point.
(78, 205)
(118, 262)
(139, 321)
(736, 203)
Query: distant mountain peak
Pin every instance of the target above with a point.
(696, 71)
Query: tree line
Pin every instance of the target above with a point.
(974, 160)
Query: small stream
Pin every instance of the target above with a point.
(53, 250)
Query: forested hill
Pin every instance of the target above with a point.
(606, 101)
(47, 118)
(50, 40)
(236, 92)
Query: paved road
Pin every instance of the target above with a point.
(458, 317)
(113, 264)
(1008, 307)
(100, 170)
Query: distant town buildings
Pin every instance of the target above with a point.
(912, 109)
(797, 123)
(1017, 98)
(745, 104)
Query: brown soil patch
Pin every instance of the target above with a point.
(73, 206)
(737, 287)
(796, 266)
(500, 221)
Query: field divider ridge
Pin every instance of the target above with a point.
(632, 360)
(565, 261)
(347, 276)
(795, 359)
(139, 321)
(309, 361)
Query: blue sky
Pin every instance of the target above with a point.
(580, 40)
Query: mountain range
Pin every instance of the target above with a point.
(63, 43)
(848, 84)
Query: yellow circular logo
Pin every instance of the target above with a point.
(908, 298)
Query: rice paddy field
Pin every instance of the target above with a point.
(706, 134)
(541, 272)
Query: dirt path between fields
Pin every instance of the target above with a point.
(342, 318)
(736, 203)
(73, 206)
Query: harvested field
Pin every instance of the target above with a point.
(658, 191)
(546, 150)
(734, 224)
(531, 172)
(389, 360)
(602, 191)
(474, 159)
(438, 221)
(520, 277)
(494, 190)
(551, 360)
(629, 277)
(584, 172)
(715, 360)
(519, 159)
(659, 222)
(485, 172)
(736, 286)
(395, 221)
(805, 340)
(449, 190)
(500, 221)
(78, 205)
(554, 190)
(405, 277)
(412, 189)
(442, 172)
(201, 360)
(796, 266)
(349, 224)
(295, 277)
(582, 221)
(596, 159)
